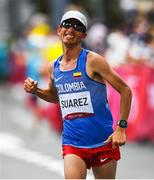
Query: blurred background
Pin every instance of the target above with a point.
(30, 129)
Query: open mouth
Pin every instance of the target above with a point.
(69, 36)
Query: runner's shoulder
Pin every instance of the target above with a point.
(93, 58)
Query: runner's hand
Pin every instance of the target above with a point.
(118, 138)
(30, 85)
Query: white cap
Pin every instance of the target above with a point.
(75, 15)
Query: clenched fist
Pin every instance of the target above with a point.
(30, 85)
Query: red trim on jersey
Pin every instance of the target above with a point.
(78, 115)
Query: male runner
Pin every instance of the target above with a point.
(77, 80)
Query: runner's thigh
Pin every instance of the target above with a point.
(74, 167)
(106, 171)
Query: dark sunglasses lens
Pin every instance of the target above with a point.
(77, 27)
(66, 25)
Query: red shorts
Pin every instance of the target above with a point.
(94, 156)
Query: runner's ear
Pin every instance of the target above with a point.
(84, 35)
(58, 30)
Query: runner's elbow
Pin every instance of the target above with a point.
(127, 91)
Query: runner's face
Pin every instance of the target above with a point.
(71, 32)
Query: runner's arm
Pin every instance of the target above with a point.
(49, 94)
(99, 65)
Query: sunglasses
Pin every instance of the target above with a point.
(77, 27)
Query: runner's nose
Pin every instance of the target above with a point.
(71, 28)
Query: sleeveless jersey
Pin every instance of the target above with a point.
(87, 120)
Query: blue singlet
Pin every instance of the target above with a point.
(84, 106)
